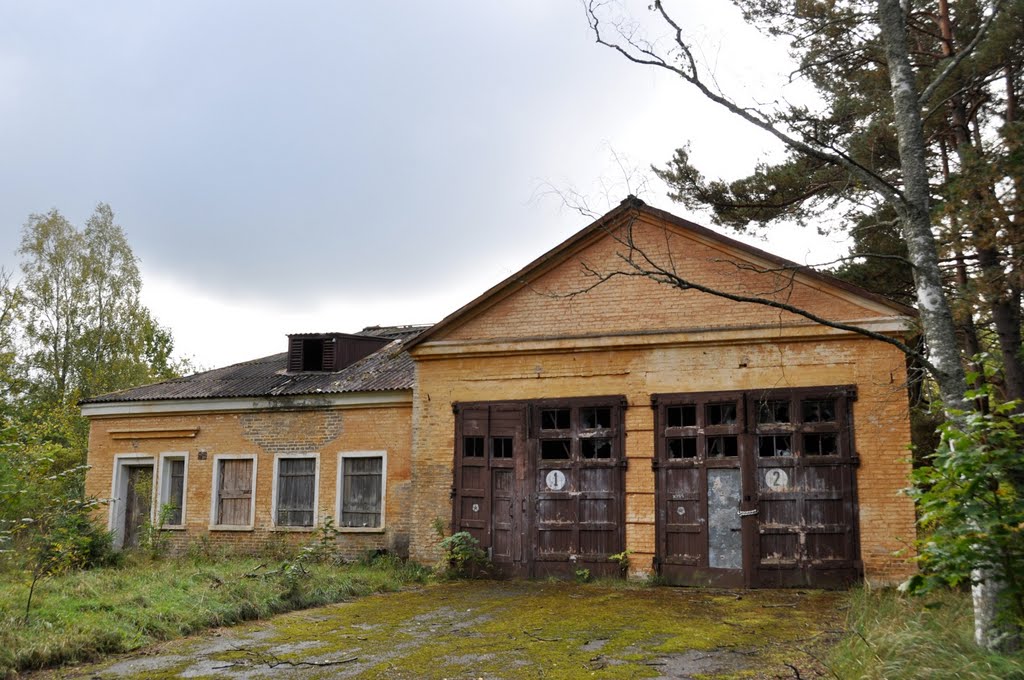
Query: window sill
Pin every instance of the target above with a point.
(173, 527)
(287, 529)
(230, 527)
(360, 530)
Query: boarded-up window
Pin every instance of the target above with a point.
(175, 491)
(234, 492)
(296, 484)
(362, 491)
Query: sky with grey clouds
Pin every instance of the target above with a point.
(295, 166)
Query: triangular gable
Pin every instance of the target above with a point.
(562, 293)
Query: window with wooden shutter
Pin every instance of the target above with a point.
(234, 492)
(171, 507)
(296, 491)
(362, 491)
(175, 491)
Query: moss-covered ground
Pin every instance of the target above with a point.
(517, 629)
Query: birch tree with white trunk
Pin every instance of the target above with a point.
(907, 192)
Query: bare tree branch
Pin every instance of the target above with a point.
(646, 56)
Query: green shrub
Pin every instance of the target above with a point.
(462, 556)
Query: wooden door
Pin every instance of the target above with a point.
(138, 502)
(701, 488)
(490, 477)
(756, 488)
(578, 486)
(806, 489)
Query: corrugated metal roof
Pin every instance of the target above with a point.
(389, 368)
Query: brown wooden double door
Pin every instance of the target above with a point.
(756, 488)
(541, 484)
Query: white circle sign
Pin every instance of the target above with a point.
(777, 479)
(476, 507)
(680, 511)
(555, 480)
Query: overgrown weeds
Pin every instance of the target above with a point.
(892, 637)
(83, 615)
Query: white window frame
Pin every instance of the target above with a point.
(316, 491)
(383, 455)
(215, 495)
(119, 489)
(163, 486)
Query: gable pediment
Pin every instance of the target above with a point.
(640, 270)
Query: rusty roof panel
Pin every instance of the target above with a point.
(389, 368)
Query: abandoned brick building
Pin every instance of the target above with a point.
(572, 412)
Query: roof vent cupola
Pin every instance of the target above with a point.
(328, 352)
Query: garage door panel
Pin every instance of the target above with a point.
(797, 510)
(599, 542)
(682, 482)
(597, 510)
(685, 547)
(555, 541)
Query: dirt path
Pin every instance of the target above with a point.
(514, 630)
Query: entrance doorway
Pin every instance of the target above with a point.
(757, 489)
(133, 499)
(541, 484)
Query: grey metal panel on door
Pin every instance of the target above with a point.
(725, 542)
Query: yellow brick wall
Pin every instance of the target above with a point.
(325, 431)
(880, 420)
(634, 304)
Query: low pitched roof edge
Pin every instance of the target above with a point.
(635, 205)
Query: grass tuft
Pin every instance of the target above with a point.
(892, 637)
(85, 615)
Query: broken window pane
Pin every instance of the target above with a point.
(722, 447)
(821, 445)
(682, 447)
(773, 412)
(681, 416)
(596, 448)
(774, 445)
(554, 419)
(501, 447)
(595, 418)
(819, 410)
(473, 447)
(721, 414)
(554, 449)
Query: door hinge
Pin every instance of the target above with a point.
(746, 513)
(655, 463)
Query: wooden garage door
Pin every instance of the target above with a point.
(490, 485)
(578, 483)
(756, 488)
(544, 497)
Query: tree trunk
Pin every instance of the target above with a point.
(992, 630)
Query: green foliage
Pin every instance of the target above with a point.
(153, 540)
(462, 556)
(971, 502)
(892, 637)
(583, 575)
(85, 614)
(622, 559)
(86, 328)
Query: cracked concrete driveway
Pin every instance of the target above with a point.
(517, 629)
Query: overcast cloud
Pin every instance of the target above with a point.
(295, 166)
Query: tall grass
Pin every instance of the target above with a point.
(84, 615)
(892, 637)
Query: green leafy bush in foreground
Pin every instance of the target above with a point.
(82, 615)
(894, 637)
